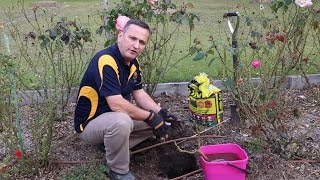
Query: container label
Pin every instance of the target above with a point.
(207, 111)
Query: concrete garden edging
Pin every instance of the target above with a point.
(181, 88)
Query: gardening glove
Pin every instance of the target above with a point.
(159, 127)
(171, 119)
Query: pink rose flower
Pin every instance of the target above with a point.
(256, 64)
(121, 22)
(151, 2)
(303, 3)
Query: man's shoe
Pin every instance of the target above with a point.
(116, 176)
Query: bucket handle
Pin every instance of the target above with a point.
(239, 168)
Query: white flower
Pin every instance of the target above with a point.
(261, 7)
(303, 3)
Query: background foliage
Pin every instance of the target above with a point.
(271, 47)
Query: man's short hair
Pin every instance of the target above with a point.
(138, 23)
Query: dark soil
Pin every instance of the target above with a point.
(69, 155)
(168, 162)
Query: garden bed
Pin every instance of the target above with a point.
(72, 158)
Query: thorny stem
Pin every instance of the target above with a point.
(204, 156)
(188, 174)
(174, 140)
(185, 151)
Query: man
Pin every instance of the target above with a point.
(104, 112)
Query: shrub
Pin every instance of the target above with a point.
(167, 22)
(270, 46)
(52, 54)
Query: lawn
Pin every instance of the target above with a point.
(211, 24)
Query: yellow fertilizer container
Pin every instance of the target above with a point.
(208, 111)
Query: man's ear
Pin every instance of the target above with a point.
(120, 34)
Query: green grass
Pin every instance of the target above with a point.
(83, 172)
(210, 13)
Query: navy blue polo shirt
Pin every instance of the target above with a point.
(107, 74)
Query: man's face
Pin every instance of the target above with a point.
(132, 42)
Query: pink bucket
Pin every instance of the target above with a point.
(227, 162)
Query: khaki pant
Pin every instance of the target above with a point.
(118, 132)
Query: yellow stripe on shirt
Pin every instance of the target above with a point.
(92, 95)
(107, 60)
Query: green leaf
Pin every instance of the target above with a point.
(44, 43)
(296, 113)
(230, 84)
(241, 66)
(52, 34)
(270, 113)
(99, 30)
(262, 96)
(167, 2)
(210, 52)
(316, 25)
(280, 4)
(41, 37)
(107, 43)
(200, 55)
(288, 2)
(87, 38)
(274, 6)
(233, 51)
(255, 34)
(264, 23)
(248, 21)
(193, 16)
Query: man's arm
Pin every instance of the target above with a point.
(118, 104)
(145, 101)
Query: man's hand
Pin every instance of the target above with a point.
(172, 119)
(156, 122)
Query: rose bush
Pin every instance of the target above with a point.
(156, 59)
(49, 57)
(277, 44)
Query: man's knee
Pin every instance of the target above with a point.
(123, 122)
